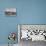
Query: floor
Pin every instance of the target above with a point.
(30, 43)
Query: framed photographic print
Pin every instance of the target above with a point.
(10, 11)
(32, 32)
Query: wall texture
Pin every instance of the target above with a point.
(28, 12)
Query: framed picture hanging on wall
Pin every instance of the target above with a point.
(10, 11)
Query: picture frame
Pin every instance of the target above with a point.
(10, 11)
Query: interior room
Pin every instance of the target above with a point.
(22, 13)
